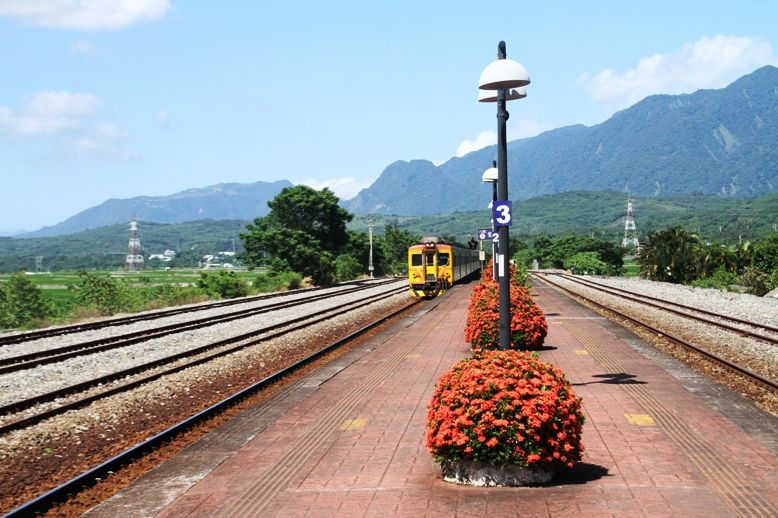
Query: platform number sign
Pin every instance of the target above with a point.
(487, 234)
(502, 212)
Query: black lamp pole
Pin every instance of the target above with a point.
(503, 274)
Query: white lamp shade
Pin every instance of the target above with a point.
(490, 96)
(503, 73)
(490, 175)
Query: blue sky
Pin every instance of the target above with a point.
(123, 98)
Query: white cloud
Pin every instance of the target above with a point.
(706, 63)
(72, 119)
(84, 14)
(344, 188)
(48, 113)
(103, 140)
(485, 138)
(522, 128)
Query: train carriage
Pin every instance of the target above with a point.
(435, 265)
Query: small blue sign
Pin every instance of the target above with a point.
(485, 234)
(502, 213)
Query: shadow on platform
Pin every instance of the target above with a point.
(618, 378)
(582, 473)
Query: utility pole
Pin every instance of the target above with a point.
(370, 226)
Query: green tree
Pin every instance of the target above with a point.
(396, 242)
(358, 249)
(304, 232)
(765, 256)
(671, 255)
(22, 303)
(587, 263)
(347, 268)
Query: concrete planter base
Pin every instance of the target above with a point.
(471, 473)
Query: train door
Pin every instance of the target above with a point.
(430, 266)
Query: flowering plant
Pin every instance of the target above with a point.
(482, 328)
(505, 407)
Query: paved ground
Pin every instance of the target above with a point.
(349, 440)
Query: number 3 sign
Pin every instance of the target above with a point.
(501, 213)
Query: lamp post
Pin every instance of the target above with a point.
(505, 78)
(490, 176)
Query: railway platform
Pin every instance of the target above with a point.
(348, 440)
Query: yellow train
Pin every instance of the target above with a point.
(434, 266)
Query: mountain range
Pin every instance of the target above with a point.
(716, 142)
(224, 201)
(722, 142)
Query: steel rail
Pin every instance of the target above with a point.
(109, 378)
(118, 321)
(749, 374)
(636, 297)
(87, 479)
(30, 360)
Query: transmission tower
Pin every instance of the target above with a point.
(134, 261)
(630, 231)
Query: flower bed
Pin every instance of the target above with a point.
(504, 408)
(482, 329)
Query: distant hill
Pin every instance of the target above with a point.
(726, 220)
(602, 214)
(717, 142)
(106, 247)
(224, 201)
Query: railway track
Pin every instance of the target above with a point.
(28, 336)
(764, 332)
(58, 354)
(125, 376)
(94, 473)
(757, 331)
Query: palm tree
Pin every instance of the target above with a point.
(671, 255)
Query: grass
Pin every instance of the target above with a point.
(54, 285)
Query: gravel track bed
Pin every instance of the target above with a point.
(762, 310)
(130, 405)
(28, 383)
(195, 311)
(757, 355)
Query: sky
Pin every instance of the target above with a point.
(104, 99)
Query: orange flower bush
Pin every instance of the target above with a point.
(482, 329)
(505, 407)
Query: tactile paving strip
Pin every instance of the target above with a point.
(254, 500)
(744, 499)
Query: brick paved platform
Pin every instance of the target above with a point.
(349, 440)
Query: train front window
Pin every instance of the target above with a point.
(415, 259)
(430, 259)
(442, 259)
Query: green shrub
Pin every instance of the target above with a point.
(757, 282)
(721, 279)
(587, 263)
(277, 281)
(347, 268)
(106, 294)
(222, 284)
(22, 303)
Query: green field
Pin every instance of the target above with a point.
(54, 286)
